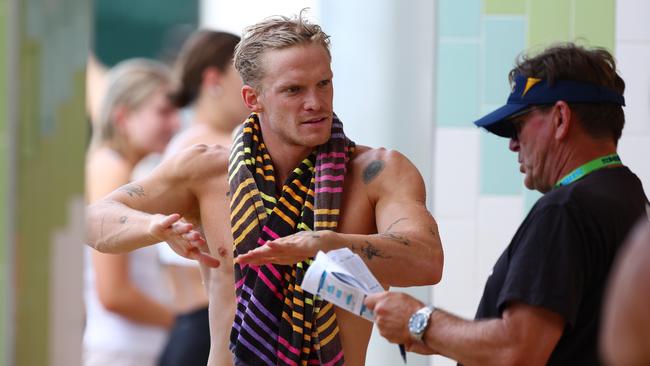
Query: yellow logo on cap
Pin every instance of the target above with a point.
(530, 82)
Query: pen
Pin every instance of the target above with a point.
(402, 351)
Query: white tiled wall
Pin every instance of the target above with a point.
(458, 286)
(456, 163)
(633, 55)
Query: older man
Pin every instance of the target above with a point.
(542, 303)
(293, 184)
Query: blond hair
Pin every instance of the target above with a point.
(274, 33)
(130, 84)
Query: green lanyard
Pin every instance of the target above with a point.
(591, 166)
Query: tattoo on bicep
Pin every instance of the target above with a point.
(369, 250)
(434, 232)
(133, 190)
(101, 227)
(396, 237)
(123, 220)
(394, 223)
(372, 170)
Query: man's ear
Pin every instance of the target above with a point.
(562, 120)
(251, 98)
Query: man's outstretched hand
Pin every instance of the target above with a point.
(290, 249)
(182, 238)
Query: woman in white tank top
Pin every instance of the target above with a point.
(126, 295)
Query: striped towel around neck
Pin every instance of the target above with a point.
(276, 323)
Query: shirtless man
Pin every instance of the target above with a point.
(285, 67)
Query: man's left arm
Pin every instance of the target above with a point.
(405, 251)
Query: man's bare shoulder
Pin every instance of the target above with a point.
(198, 161)
(196, 134)
(383, 171)
(371, 164)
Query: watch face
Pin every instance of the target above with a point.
(418, 322)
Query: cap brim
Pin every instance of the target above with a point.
(497, 122)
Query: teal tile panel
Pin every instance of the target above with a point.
(499, 168)
(530, 198)
(505, 38)
(459, 18)
(457, 95)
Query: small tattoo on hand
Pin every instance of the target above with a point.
(123, 220)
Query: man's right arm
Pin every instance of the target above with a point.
(150, 210)
(523, 335)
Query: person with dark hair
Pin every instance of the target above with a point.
(293, 184)
(542, 303)
(206, 81)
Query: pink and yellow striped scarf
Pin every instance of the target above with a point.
(276, 323)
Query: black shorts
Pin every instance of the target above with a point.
(189, 340)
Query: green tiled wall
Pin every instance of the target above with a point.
(549, 21)
(4, 175)
(504, 7)
(595, 22)
(50, 155)
(505, 29)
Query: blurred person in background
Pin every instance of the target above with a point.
(625, 339)
(206, 81)
(127, 316)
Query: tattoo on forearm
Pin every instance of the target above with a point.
(394, 223)
(372, 170)
(396, 237)
(123, 220)
(311, 234)
(133, 190)
(369, 250)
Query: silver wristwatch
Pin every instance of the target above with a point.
(419, 322)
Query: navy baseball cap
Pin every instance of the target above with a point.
(529, 91)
